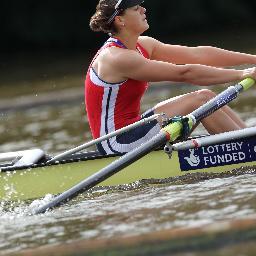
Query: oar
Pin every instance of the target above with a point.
(105, 137)
(169, 133)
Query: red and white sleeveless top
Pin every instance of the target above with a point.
(111, 106)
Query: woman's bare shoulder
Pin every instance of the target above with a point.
(116, 58)
(147, 40)
(149, 43)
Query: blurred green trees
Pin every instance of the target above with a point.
(27, 25)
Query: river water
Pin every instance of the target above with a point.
(123, 216)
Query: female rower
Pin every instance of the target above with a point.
(119, 74)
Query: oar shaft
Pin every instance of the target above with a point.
(174, 130)
(106, 172)
(222, 99)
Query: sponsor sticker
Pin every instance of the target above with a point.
(234, 152)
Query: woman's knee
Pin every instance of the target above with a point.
(203, 96)
(184, 104)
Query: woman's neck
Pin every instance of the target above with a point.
(129, 41)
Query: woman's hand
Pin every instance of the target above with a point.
(249, 72)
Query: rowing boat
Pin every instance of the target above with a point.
(30, 174)
(211, 154)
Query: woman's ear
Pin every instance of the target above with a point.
(119, 21)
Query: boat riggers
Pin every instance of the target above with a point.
(215, 139)
(33, 156)
(105, 137)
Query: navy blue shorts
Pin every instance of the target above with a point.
(127, 141)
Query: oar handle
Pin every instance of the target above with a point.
(247, 83)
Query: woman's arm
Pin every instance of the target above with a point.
(213, 56)
(130, 64)
(206, 55)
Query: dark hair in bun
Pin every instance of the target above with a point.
(99, 21)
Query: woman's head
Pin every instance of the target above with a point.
(106, 11)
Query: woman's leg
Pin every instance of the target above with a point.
(222, 120)
(234, 116)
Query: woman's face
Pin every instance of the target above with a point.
(135, 19)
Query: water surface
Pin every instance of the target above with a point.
(117, 213)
